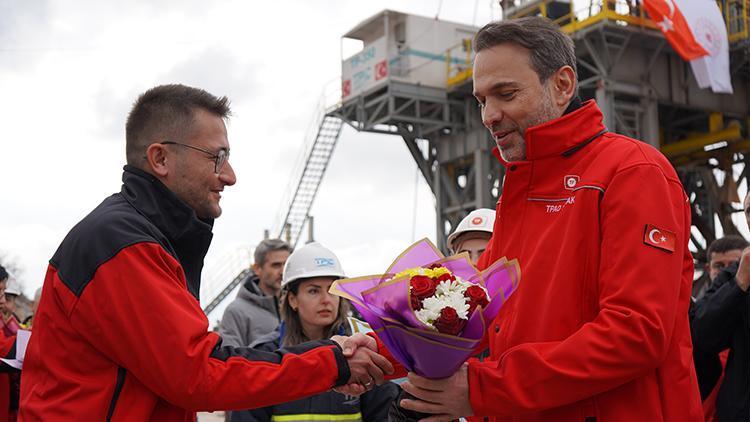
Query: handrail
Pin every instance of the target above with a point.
(736, 18)
(219, 272)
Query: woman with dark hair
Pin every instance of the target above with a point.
(310, 312)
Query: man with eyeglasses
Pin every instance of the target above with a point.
(119, 333)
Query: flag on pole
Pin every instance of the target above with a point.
(696, 30)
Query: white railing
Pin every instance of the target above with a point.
(219, 273)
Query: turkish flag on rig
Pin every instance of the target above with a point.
(696, 30)
(668, 15)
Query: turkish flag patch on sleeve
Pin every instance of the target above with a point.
(659, 238)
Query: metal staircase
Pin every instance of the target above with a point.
(226, 291)
(311, 168)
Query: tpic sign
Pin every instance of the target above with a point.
(365, 69)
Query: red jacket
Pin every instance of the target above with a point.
(120, 335)
(598, 328)
(7, 351)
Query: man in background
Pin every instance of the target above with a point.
(719, 323)
(721, 253)
(255, 311)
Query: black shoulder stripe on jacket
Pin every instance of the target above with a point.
(109, 228)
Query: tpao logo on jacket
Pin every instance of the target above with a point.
(571, 181)
(324, 262)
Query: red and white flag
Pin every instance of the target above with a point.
(696, 30)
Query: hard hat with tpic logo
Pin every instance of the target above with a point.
(311, 260)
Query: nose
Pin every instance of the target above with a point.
(491, 114)
(227, 175)
(327, 297)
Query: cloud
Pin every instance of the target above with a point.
(219, 71)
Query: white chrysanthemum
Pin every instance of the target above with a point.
(430, 311)
(435, 304)
(457, 301)
(443, 288)
(425, 316)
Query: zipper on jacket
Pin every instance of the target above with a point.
(118, 388)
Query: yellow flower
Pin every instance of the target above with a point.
(429, 272)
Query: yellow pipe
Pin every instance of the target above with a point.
(697, 142)
(697, 157)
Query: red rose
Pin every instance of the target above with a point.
(477, 297)
(448, 322)
(422, 286)
(416, 303)
(444, 277)
(433, 266)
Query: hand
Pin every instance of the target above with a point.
(355, 390)
(368, 368)
(447, 398)
(350, 344)
(743, 270)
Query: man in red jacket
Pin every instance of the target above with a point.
(598, 328)
(119, 333)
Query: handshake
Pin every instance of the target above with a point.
(366, 366)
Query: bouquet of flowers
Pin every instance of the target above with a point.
(431, 311)
(442, 301)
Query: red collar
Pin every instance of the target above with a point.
(562, 134)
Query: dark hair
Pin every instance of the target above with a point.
(165, 113)
(725, 244)
(293, 334)
(269, 245)
(549, 47)
(3, 273)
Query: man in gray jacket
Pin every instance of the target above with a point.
(255, 311)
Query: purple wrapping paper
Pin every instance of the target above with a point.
(384, 303)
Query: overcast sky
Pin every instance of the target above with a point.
(69, 72)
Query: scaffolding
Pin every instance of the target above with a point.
(644, 89)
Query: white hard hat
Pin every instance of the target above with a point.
(311, 260)
(479, 220)
(11, 287)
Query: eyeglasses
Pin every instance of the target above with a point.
(219, 159)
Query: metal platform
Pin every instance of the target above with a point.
(645, 90)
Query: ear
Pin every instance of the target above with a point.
(255, 268)
(293, 301)
(563, 86)
(156, 156)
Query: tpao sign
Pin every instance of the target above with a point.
(364, 70)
